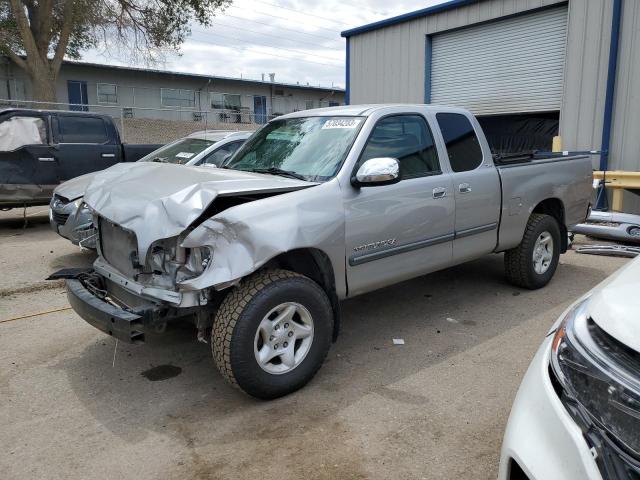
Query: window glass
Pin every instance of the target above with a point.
(81, 129)
(225, 101)
(17, 132)
(173, 97)
(313, 147)
(107, 93)
(180, 152)
(462, 143)
(407, 138)
(217, 156)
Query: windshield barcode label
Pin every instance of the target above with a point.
(341, 123)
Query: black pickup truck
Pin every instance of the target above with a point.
(41, 148)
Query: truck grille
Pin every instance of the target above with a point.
(119, 247)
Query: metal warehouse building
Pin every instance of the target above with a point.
(530, 69)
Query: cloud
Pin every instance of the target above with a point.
(297, 40)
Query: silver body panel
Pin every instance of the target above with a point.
(373, 236)
(77, 226)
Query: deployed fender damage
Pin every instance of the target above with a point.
(247, 236)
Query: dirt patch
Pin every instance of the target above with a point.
(34, 287)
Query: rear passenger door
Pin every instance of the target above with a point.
(84, 144)
(399, 231)
(28, 167)
(476, 187)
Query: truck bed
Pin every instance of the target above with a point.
(527, 182)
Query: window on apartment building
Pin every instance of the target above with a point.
(225, 101)
(107, 93)
(309, 104)
(174, 97)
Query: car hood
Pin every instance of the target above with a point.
(160, 200)
(615, 305)
(74, 188)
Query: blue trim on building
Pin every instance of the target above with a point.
(609, 98)
(347, 75)
(408, 16)
(428, 50)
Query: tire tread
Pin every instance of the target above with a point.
(517, 261)
(230, 311)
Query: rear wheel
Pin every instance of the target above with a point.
(532, 263)
(272, 333)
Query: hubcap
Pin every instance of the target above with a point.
(284, 338)
(543, 253)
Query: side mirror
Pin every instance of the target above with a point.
(377, 171)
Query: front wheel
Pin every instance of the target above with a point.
(272, 333)
(532, 263)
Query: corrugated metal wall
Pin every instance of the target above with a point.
(585, 85)
(517, 67)
(387, 65)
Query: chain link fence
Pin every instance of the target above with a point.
(156, 125)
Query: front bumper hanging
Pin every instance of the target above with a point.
(117, 322)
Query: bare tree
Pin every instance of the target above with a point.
(38, 34)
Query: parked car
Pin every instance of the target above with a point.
(39, 149)
(577, 413)
(71, 219)
(316, 207)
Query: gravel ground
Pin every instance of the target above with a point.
(72, 405)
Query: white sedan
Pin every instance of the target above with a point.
(577, 412)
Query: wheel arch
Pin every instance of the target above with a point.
(554, 207)
(316, 265)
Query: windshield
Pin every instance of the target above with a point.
(179, 152)
(311, 147)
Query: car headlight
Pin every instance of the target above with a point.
(600, 380)
(198, 259)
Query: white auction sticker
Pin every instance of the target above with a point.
(341, 123)
(184, 155)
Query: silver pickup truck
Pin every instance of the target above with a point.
(316, 207)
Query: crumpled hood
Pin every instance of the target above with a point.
(160, 200)
(615, 305)
(74, 188)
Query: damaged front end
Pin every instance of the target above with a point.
(126, 298)
(146, 275)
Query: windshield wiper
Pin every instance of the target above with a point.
(279, 171)
(159, 160)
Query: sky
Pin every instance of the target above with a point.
(298, 40)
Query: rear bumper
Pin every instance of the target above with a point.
(117, 322)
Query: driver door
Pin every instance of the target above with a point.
(399, 231)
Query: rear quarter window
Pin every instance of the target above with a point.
(463, 146)
(81, 129)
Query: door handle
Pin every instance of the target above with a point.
(46, 159)
(108, 155)
(464, 188)
(439, 192)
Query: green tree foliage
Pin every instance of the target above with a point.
(38, 34)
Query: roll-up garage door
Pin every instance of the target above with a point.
(508, 66)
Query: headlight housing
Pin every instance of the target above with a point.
(197, 261)
(600, 381)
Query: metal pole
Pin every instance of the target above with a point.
(609, 98)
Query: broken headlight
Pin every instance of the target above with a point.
(600, 387)
(197, 261)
